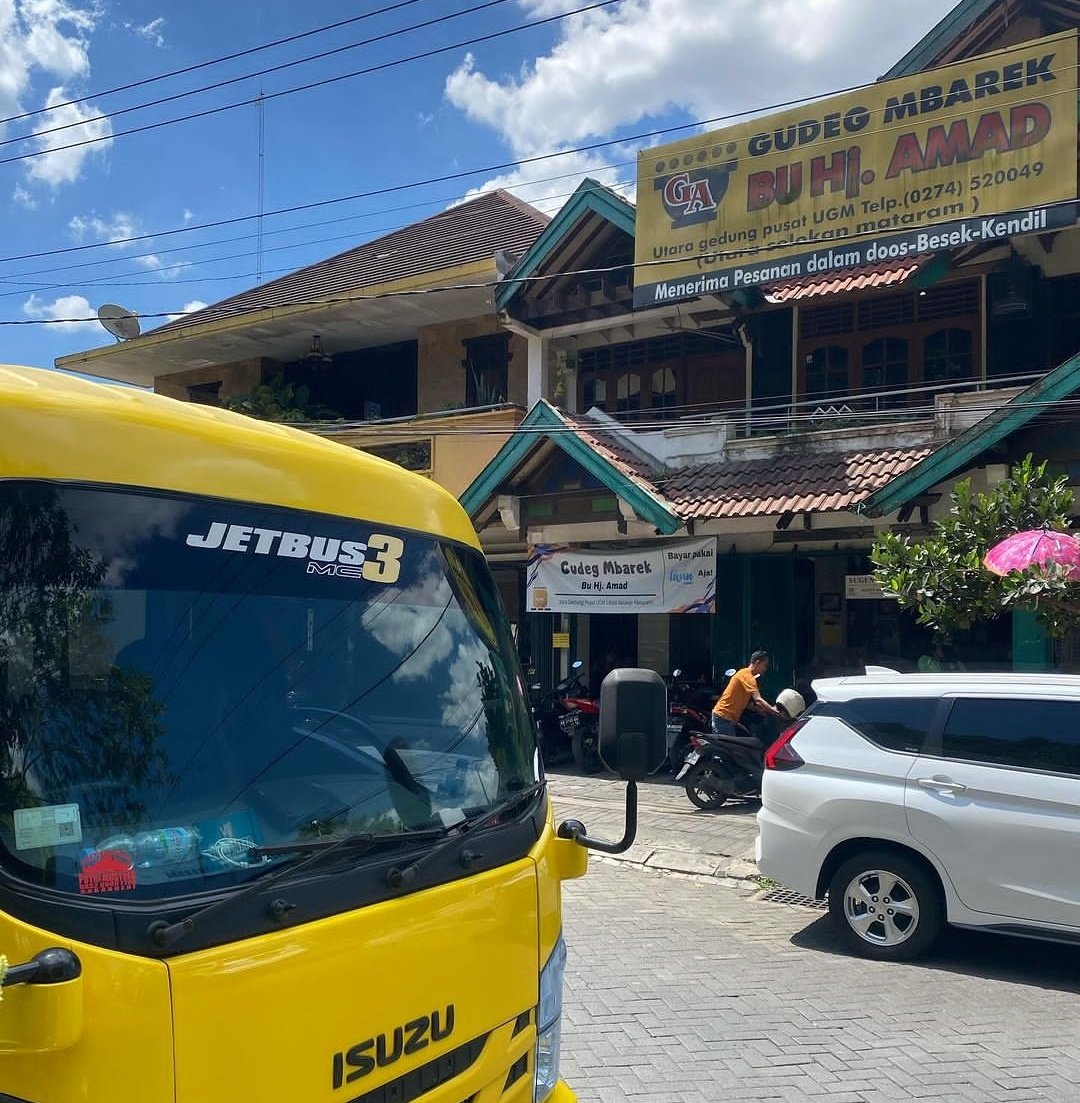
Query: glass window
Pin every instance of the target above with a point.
(628, 392)
(181, 680)
(594, 393)
(885, 368)
(1038, 735)
(663, 388)
(896, 723)
(948, 354)
(827, 372)
(487, 361)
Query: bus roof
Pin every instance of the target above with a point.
(55, 426)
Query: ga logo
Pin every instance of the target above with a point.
(692, 196)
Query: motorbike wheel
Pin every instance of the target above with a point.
(708, 787)
(586, 755)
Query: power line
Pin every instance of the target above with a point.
(632, 266)
(259, 73)
(311, 85)
(208, 63)
(464, 174)
(440, 203)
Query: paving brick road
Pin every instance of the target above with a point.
(682, 990)
(672, 833)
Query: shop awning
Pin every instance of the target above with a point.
(867, 278)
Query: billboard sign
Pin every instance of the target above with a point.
(666, 578)
(972, 152)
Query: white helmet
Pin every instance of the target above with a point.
(791, 702)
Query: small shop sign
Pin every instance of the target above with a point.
(863, 587)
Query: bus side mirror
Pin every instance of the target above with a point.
(633, 743)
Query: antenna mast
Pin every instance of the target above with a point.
(260, 108)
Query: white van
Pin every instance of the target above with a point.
(916, 800)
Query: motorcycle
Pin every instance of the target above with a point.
(581, 723)
(689, 712)
(722, 766)
(568, 722)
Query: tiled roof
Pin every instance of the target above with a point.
(797, 483)
(607, 445)
(464, 234)
(850, 279)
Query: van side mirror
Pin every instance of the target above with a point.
(633, 722)
(633, 743)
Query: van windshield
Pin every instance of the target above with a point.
(184, 680)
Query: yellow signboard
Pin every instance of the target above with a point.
(560, 641)
(972, 152)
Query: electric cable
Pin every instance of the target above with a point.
(709, 140)
(322, 55)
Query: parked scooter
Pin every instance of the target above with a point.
(581, 724)
(722, 766)
(688, 712)
(548, 709)
(564, 717)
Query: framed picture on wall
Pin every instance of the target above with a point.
(829, 603)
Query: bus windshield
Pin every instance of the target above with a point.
(186, 680)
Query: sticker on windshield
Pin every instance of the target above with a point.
(106, 871)
(50, 825)
(378, 559)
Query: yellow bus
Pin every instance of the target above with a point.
(273, 823)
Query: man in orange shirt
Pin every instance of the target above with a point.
(740, 692)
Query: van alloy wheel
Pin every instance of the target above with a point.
(881, 908)
(886, 905)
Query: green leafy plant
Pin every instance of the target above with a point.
(276, 400)
(943, 578)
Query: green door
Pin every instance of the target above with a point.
(755, 610)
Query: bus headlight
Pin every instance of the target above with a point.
(548, 1022)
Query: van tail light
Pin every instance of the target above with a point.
(782, 755)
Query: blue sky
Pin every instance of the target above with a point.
(634, 66)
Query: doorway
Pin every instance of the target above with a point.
(613, 641)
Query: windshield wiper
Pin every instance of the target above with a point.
(397, 876)
(164, 934)
(324, 845)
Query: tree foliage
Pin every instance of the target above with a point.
(943, 578)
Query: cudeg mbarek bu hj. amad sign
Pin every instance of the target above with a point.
(972, 152)
(668, 578)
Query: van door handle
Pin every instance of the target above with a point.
(941, 785)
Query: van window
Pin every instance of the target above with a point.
(1037, 735)
(895, 723)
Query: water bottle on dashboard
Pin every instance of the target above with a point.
(164, 846)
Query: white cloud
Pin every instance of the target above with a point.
(119, 230)
(150, 31)
(48, 39)
(65, 307)
(114, 228)
(621, 66)
(82, 123)
(188, 214)
(24, 198)
(188, 308)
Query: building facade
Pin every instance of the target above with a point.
(393, 346)
(790, 420)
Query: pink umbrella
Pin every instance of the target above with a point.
(1036, 548)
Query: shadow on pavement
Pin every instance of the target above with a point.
(975, 954)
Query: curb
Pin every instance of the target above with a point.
(720, 867)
